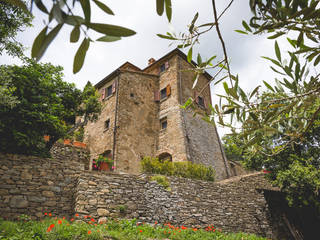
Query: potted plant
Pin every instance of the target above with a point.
(104, 163)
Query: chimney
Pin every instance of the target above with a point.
(151, 60)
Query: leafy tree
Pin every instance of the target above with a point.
(46, 105)
(233, 148)
(296, 169)
(12, 20)
(62, 13)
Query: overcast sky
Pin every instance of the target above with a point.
(140, 15)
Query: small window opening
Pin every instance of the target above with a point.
(201, 101)
(107, 124)
(163, 93)
(164, 123)
(162, 68)
(131, 95)
(109, 91)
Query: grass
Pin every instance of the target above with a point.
(54, 228)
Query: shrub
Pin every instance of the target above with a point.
(179, 169)
(162, 180)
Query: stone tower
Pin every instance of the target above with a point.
(141, 116)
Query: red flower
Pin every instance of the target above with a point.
(71, 219)
(195, 229)
(64, 218)
(59, 221)
(92, 220)
(140, 230)
(183, 227)
(45, 213)
(49, 229)
(85, 216)
(77, 215)
(155, 223)
(50, 214)
(52, 226)
(89, 232)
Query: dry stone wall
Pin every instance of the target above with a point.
(237, 205)
(33, 185)
(62, 152)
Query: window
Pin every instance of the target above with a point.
(162, 68)
(109, 91)
(107, 124)
(163, 93)
(163, 123)
(201, 101)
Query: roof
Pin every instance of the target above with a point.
(115, 73)
(175, 51)
(182, 55)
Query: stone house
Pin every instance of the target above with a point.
(141, 116)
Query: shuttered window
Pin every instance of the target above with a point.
(164, 66)
(163, 93)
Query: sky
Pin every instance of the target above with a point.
(245, 51)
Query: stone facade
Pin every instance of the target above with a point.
(146, 118)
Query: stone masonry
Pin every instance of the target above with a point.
(32, 185)
(141, 116)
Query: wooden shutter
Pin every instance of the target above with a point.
(195, 96)
(166, 64)
(168, 90)
(114, 85)
(103, 93)
(205, 103)
(156, 96)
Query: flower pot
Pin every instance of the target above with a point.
(66, 141)
(79, 144)
(104, 166)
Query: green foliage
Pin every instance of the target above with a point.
(45, 105)
(78, 135)
(122, 208)
(179, 169)
(102, 159)
(12, 21)
(233, 148)
(162, 180)
(113, 229)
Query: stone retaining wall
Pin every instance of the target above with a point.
(33, 185)
(232, 205)
(64, 152)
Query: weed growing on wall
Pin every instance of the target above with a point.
(162, 180)
(178, 169)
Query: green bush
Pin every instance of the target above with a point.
(162, 180)
(179, 169)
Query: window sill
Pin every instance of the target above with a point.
(108, 97)
(163, 99)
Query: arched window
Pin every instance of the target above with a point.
(107, 154)
(165, 157)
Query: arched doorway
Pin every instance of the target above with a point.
(165, 157)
